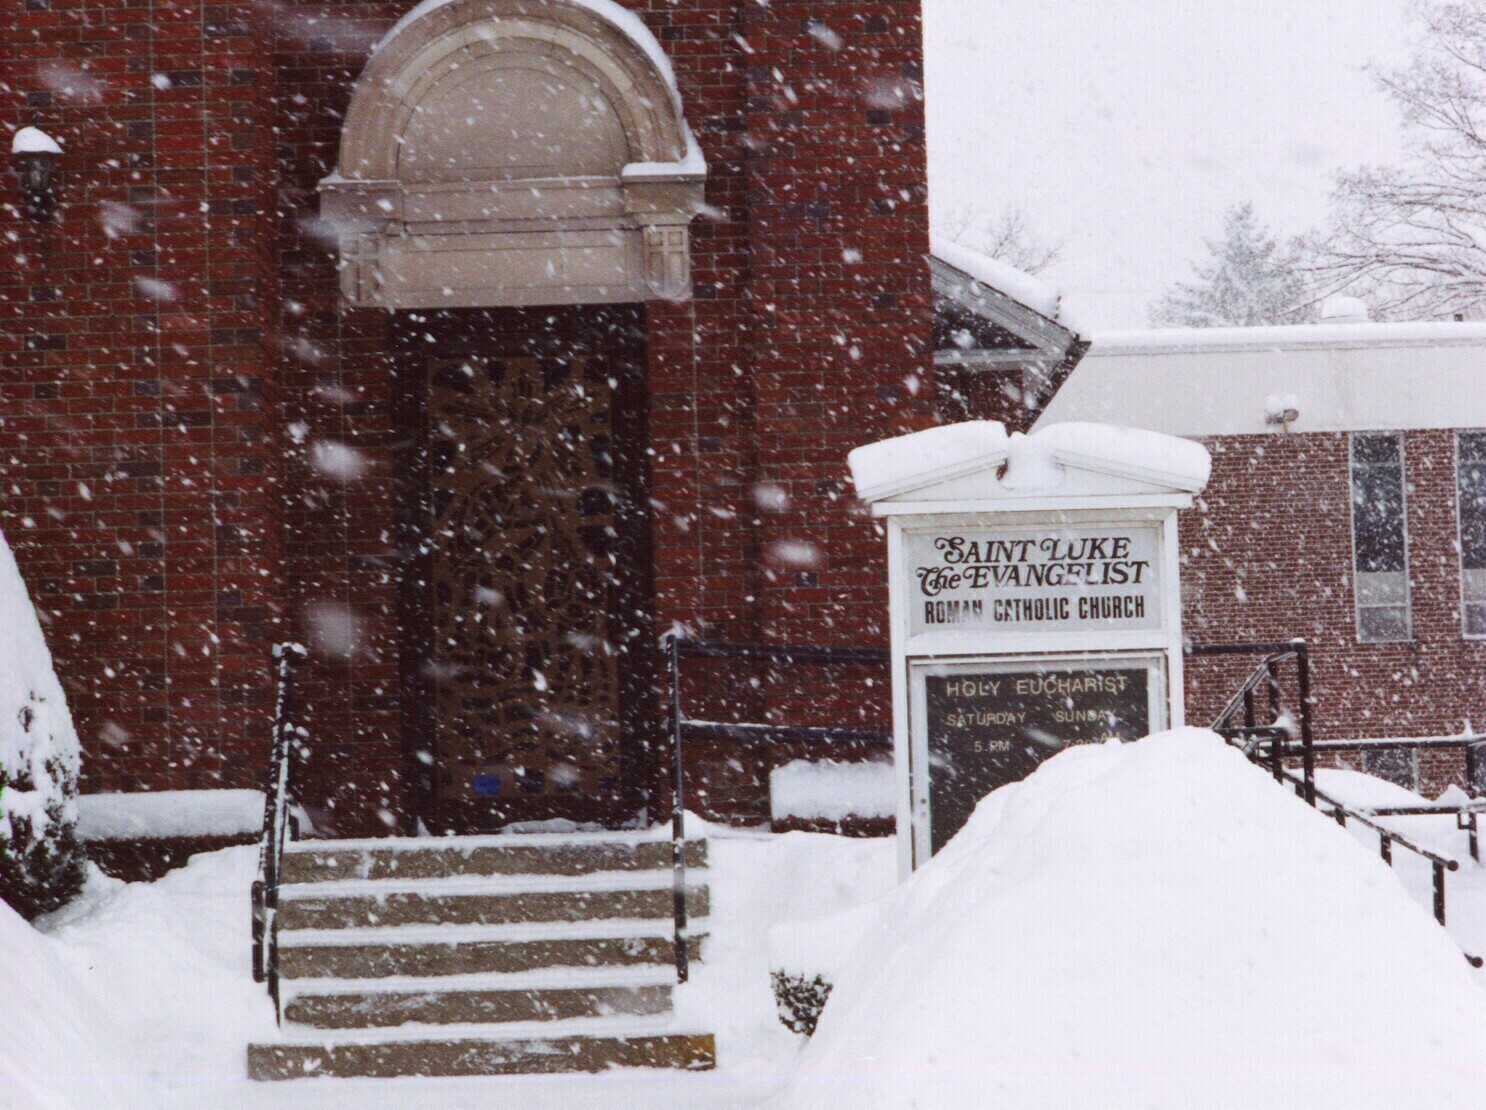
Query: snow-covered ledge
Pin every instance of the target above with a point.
(169, 815)
(515, 152)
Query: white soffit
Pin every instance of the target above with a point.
(1220, 381)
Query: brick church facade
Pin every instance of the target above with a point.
(673, 252)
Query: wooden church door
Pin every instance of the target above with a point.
(532, 639)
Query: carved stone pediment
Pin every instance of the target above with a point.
(514, 152)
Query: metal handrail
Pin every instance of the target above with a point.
(277, 822)
(1271, 744)
(684, 728)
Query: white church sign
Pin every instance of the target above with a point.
(1034, 602)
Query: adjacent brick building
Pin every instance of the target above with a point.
(1345, 506)
(671, 254)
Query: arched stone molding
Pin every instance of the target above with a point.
(514, 152)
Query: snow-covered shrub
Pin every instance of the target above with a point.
(41, 862)
(805, 957)
(800, 999)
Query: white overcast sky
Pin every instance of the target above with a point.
(1126, 127)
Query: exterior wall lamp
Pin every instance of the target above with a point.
(36, 157)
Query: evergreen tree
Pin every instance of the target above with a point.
(1247, 280)
(41, 862)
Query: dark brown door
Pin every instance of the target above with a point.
(531, 632)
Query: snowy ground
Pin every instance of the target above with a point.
(165, 964)
(139, 995)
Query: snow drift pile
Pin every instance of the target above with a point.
(1158, 923)
(41, 865)
(54, 1049)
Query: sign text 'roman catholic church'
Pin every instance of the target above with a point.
(1068, 579)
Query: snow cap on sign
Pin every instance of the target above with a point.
(1127, 453)
(905, 463)
(33, 140)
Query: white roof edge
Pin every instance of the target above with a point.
(1153, 341)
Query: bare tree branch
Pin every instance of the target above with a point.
(1411, 240)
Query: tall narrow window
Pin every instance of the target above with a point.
(1379, 538)
(1470, 483)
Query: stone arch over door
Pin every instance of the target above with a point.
(514, 153)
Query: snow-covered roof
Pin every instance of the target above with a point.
(1021, 287)
(1224, 381)
(1285, 337)
(33, 140)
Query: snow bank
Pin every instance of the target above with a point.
(55, 1049)
(831, 791)
(908, 462)
(162, 967)
(1150, 924)
(169, 813)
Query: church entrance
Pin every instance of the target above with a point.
(528, 640)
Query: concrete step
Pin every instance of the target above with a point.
(478, 900)
(550, 995)
(576, 1046)
(436, 950)
(309, 861)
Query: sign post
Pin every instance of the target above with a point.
(1034, 601)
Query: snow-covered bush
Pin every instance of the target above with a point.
(41, 862)
(806, 957)
(800, 999)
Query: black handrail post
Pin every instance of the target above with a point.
(678, 816)
(1307, 737)
(1439, 892)
(276, 799)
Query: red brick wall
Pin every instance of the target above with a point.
(139, 486)
(1267, 555)
(205, 533)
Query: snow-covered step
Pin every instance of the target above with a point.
(482, 955)
(428, 950)
(481, 899)
(549, 995)
(438, 857)
(476, 1050)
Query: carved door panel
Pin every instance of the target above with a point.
(538, 589)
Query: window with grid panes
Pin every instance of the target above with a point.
(1470, 487)
(1380, 538)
